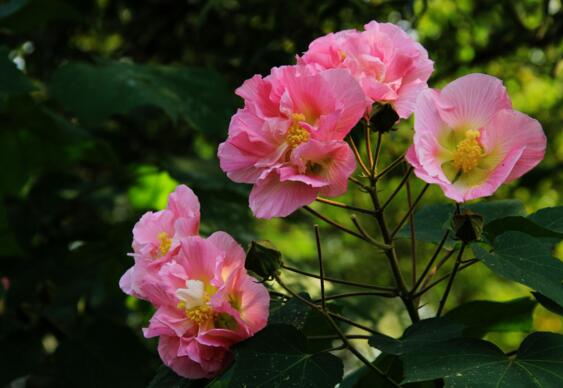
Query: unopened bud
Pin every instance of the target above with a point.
(468, 226)
(263, 259)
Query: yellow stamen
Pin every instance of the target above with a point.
(297, 134)
(200, 314)
(342, 55)
(165, 243)
(468, 152)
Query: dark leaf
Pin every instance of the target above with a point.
(276, 357)
(95, 92)
(525, 259)
(481, 317)
(477, 363)
(548, 303)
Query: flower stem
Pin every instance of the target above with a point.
(340, 281)
(343, 205)
(451, 280)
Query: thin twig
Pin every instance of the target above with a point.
(390, 167)
(392, 256)
(321, 267)
(334, 223)
(397, 189)
(359, 355)
(377, 153)
(367, 132)
(366, 235)
(451, 281)
(359, 183)
(437, 281)
(358, 156)
(365, 293)
(344, 206)
(411, 209)
(316, 307)
(340, 281)
(431, 261)
(412, 229)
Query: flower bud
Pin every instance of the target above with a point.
(263, 259)
(384, 118)
(468, 226)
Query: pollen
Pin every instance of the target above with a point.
(296, 134)
(165, 243)
(199, 314)
(468, 152)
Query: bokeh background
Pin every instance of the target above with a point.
(118, 101)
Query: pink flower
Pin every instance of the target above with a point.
(288, 138)
(156, 238)
(389, 65)
(469, 140)
(206, 303)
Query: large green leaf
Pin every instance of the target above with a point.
(546, 224)
(525, 259)
(482, 316)
(432, 221)
(476, 363)
(12, 80)
(95, 92)
(422, 335)
(550, 218)
(276, 357)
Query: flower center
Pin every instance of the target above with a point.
(165, 243)
(468, 152)
(193, 301)
(296, 134)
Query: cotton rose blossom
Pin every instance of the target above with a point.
(206, 302)
(288, 139)
(156, 239)
(469, 140)
(390, 66)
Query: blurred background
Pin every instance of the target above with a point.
(106, 105)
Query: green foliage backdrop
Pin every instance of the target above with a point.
(105, 105)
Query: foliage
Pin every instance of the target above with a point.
(106, 104)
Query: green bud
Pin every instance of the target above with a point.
(468, 226)
(263, 259)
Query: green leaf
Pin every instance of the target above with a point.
(525, 259)
(548, 303)
(293, 313)
(166, 378)
(550, 218)
(476, 363)
(33, 140)
(96, 92)
(12, 80)
(546, 224)
(305, 319)
(422, 335)
(481, 317)
(276, 357)
(432, 221)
